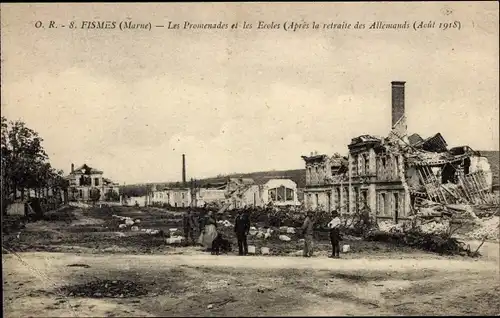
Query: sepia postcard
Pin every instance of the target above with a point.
(250, 159)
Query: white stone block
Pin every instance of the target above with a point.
(346, 248)
(251, 249)
(284, 238)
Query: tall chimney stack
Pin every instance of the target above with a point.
(72, 167)
(183, 169)
(398, 101)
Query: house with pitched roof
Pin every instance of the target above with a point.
(84, 178)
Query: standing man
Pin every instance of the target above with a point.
(334, 226)
(365, 216)
(241, 228)
(307, 230)
(188, 223)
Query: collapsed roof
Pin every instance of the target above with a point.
(85, 169)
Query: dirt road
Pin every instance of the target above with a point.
(153, 279)
(231, 285)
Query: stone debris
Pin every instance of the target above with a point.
(175, 240)
(283, 229)
(134, 228)
(290, 230)
(284, 238)
(151, 231)
(225, 223)
(346, 248)
(251, 249)
(435, 227)
(488, 229)
(264, 251)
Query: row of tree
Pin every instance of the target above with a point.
(25, 165)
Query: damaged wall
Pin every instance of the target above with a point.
(478, 163)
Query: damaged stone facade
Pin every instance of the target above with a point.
(393, 175)
(82, 179)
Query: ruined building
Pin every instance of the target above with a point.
(232, 192)
(84, 178)
(392, 175)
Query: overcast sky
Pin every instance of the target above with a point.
(132, 102)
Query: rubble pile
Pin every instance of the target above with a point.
(388, 226)
(225, 223)
(435, 227)
(133, 225)
(442, 244)
(106, 288)
(436, 177)
(488, 229)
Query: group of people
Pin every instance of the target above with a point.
(207, 230)
(334, 231)
(207, 227)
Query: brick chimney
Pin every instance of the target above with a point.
(398, 101)
(72, 167)
(183, 169)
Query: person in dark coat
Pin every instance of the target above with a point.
(335, 237)
(241, 228)
(189, 224)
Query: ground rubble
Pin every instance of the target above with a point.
(105, 288)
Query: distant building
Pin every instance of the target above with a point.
(279, 192)
(84, 178)
(135, 200)
(235, 192)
